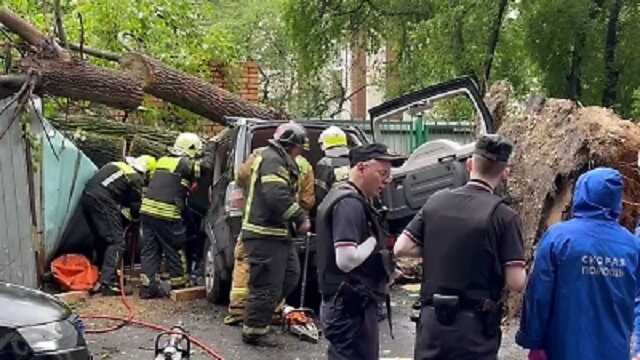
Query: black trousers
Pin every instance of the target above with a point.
(163, 237)
(274, 272)
(350, 336)
(462, 340)
(106, 224)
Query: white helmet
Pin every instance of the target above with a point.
(331, 137)
(187, 144)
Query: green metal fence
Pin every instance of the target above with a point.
(405, 136)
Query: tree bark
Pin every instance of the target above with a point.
(78, 80)
(102, 140)
(30, 34)
(611, 72)
(493, 43)
(191, 93)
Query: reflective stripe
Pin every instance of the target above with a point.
(153, 207)
(272, 178)
(178, 281)
(249, 330)
(263, 230)
(246, 225)
(292, 210)
(124, 167)
(239, 292)
(284, 173)
(113, 177)
(196, 169)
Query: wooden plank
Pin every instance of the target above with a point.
(71, 297)
(192, 293)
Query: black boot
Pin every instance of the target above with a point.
(150, 292)
(267, 340)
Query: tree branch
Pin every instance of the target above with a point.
(59, 23)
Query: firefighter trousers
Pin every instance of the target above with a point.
(274, 272)
(163, 237)
(240, 280)
(106, 224)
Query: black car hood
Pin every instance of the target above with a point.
(20, 306)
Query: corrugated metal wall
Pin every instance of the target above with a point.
(17, 255)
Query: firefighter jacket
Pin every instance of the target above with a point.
(271, 204)
(169, 187)
(306, 180)
(306, 192)
(332, 168)
(119, 182)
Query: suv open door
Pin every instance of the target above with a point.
(446, 120)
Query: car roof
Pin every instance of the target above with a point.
(307, 123)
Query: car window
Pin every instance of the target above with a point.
(261, 136)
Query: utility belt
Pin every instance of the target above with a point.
(356, 296)
(447, 308)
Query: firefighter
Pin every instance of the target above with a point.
(240, 277)
(334, 166)
(161, 215)
(115, 186)
(471, 246)
(271, 216)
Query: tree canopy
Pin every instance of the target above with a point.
(578, 49)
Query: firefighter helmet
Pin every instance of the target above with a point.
(187, 144)
(331, 137)
(292, 134)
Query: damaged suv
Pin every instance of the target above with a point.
(436, 163)
(223, 221)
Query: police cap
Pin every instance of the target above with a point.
(374, 151)
(494, 147)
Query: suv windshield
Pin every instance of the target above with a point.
(261, 135)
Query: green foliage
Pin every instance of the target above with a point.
(299, 44)
(635, 104)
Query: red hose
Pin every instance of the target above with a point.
(199, 343)
(129, 320)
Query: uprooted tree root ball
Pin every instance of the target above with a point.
(555, 142)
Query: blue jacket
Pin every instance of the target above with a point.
(579, 302)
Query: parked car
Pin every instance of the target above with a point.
(35, 325)
(222, 223)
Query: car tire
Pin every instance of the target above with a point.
(217, 289)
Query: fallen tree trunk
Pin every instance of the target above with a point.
(105, 140)
(78, 80)
(191, 93)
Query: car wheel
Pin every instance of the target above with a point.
(214, 285)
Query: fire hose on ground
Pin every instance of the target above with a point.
(129, 320)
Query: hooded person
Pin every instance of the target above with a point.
(579, 301)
